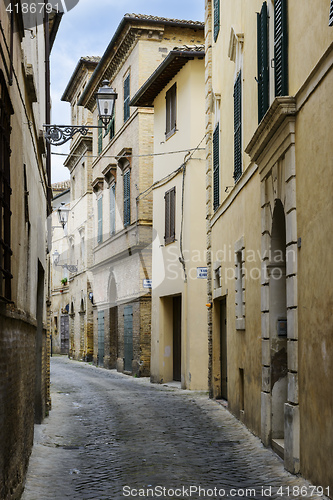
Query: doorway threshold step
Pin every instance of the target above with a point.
(278, 447)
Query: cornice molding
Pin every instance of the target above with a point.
(281, 108)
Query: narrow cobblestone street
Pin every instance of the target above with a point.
(110, 436)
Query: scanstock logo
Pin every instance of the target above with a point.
(33, 12)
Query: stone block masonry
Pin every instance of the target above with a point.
(17, 390)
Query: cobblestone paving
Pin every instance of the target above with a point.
(110, 436)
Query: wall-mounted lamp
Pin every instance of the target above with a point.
(105, 100)
(56, 258)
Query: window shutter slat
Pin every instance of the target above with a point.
(170, 215)
(100, 136)
(281, 47)
(100, 220)
(126, 98)
(216, 19)
(216, 168)
(263, 64)
(238, 127)
(167, 216)
(113, 209)
(127, 198)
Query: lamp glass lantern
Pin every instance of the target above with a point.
(105, 99)
(63, 212)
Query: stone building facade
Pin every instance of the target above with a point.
(179, 313)
(122, 169)
(268, 107)
(80, 220)
(59, 286)
(24, 206)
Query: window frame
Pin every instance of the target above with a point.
(171, 111)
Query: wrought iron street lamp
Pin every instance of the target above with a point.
(56, 257)
(105, 100)
(63, 212)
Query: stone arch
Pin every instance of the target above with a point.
(280, 411)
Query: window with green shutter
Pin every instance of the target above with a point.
(216, 167)
(263, 64)
(100, 219)
(113, 208)
(126, 98)
(127, 198)
(238, 127)
(281, 47)
(216, 19)
(330, 23)
(100, 136)
(110, 128)
(170, 215)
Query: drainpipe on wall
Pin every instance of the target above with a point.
(208, 95)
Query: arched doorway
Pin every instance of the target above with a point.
(278, 325)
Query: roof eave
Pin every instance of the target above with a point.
(85, 96)
(139, 98)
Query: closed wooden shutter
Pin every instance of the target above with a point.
(100, 136)
(331, 14)
(238, 127)
(113, 209)
(171, 111)
(216, 19)
(100, 220)
(263, 71)
(216, 167)
(170, 215)
(111, 128)
(127, 198)
(281, 47)
(126, 98)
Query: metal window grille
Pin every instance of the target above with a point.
(216, 167)
(126, 98)
(238, 127)
(281, 47)
(127, 198)
(6, 111)
(263, 64)
(170, 214)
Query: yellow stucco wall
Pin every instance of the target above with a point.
(314, 153)
(168, 274)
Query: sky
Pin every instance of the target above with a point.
(86, 30)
